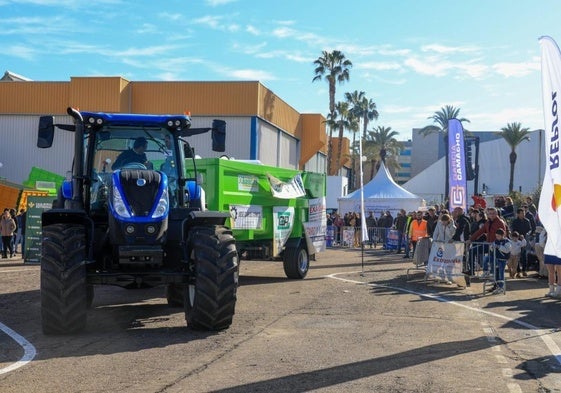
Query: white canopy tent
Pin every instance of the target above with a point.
(382, 193)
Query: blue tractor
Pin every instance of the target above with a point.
(130, 215)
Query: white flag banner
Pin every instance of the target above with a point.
(550, 198)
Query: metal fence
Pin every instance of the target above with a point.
(481, 262)
(346, 236)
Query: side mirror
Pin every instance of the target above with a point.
(218, 135)
(188, 150)
(46, 132)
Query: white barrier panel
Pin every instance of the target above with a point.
(445, 261)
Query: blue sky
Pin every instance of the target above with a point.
(410, 57)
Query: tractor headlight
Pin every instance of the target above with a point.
(162, 207)
(119, 204)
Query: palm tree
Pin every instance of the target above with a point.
(441, 119)
(381, 141)
(343, 119)
(335, 68)
(514, 135)
(365, 110)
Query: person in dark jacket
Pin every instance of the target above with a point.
(523, 226)
(462, 234)
(462, 225)
(432, 219)
(530, 218)
(502, 248)
(371, 227)
(400, 223)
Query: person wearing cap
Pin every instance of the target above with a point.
(137, 154)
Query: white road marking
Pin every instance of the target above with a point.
(544, 335)
(29, 351)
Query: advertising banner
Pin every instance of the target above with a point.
(246, 216)
(287, 190)
(550, 199)
(283, 221)
(457, 165)
(445, 260)
(33, 229)
(316, 227)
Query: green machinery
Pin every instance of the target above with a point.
(275, 213)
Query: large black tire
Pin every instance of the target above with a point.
(210, 297)
(175, 295)
(64, 293)
(296, 262)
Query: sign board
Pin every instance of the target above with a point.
(33, 231)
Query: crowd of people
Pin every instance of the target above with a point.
(12, 231)
(502, 238)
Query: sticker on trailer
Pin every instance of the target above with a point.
(248, 183)
(246, 217)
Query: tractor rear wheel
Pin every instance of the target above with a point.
(210, 297)
(64, 292)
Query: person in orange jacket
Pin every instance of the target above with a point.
(417, 230)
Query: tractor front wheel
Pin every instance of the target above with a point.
(210, 296)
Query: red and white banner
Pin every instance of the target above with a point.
(550, 198)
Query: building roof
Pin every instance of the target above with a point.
(10, 76)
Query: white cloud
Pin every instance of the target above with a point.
(148, 28)
(430, 65)
(494, 120)
(169, 16)
(73, 4)
(285, 55)
(476, 71)
(255, 49)
(212, 21)
(448, 49)
(216, 3)
(517, 69)
(35, 26)
(249, 74)
(377, 65)
(252, 30)
(217, 22)
(20, 51)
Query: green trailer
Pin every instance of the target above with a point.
(275, 213)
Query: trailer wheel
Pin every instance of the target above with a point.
(210, 297)
(64, 292)
(174, 295)
(296, 262)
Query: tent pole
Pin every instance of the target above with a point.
(363, 228)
